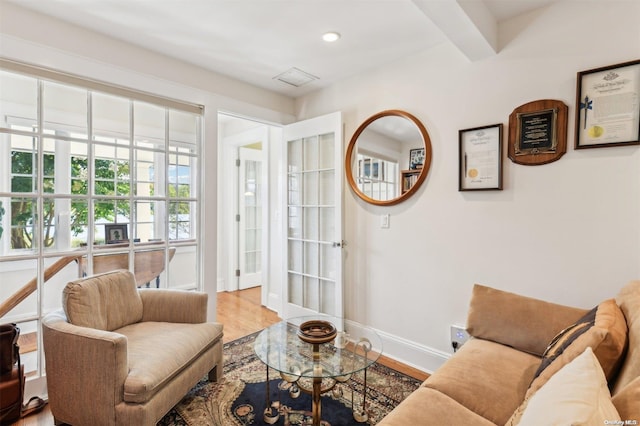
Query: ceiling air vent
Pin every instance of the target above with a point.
(295, 77)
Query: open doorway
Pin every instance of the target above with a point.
(244, 203)
(295, 243)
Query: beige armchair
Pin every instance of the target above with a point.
(119, 355)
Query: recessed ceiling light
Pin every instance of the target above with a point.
(331, 36)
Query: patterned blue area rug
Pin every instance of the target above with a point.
(240, 398)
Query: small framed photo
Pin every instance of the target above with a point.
(416, 158)
(115, 233)
(608, 106)
(375, 170)
(367, 168)
(480, 152)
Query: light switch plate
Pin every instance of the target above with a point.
(384, 221)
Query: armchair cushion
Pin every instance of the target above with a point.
(106, 302)
(150, 370)
(167, 305)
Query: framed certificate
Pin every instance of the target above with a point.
(608, 106)
(538, 132)
(480, 152)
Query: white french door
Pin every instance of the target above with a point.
(250, 224)
(314, 218)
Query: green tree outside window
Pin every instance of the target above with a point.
(111, 178)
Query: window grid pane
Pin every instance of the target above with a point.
(19, 101)
(88, 160)
(64, 109)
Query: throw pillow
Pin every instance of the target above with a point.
(575, 395)
(606, 336)
(604, 329)
(565, 338)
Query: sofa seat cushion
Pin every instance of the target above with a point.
(430, 406)
(106, 302)
(175, 345)
(488, 378)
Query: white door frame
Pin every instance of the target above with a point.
(228, 204)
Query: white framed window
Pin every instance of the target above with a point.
(78, 157)
(377, 177)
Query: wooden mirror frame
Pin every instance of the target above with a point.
(423, 172)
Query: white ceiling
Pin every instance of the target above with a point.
(255, 40)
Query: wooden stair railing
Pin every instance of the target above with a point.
(30, 287)
(149, 264)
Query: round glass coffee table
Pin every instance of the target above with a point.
(312, 364)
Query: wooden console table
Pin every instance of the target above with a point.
(148, 263)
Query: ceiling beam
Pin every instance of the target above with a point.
(468, 24)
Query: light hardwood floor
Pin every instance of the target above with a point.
(242, 314)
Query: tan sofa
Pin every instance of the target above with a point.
(122, 356)
(491, 379)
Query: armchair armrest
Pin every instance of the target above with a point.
(174, 306)
(524, 323)
(83, 365)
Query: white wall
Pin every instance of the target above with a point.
(568, 232)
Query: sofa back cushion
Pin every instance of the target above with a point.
(629, 301)
(105, 302)
(524, 323)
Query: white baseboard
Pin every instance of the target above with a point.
(405, 351)
(274, 302)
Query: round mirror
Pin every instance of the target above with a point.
(388, 157)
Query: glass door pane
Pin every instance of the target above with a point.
(314, 171)
(250, 241)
